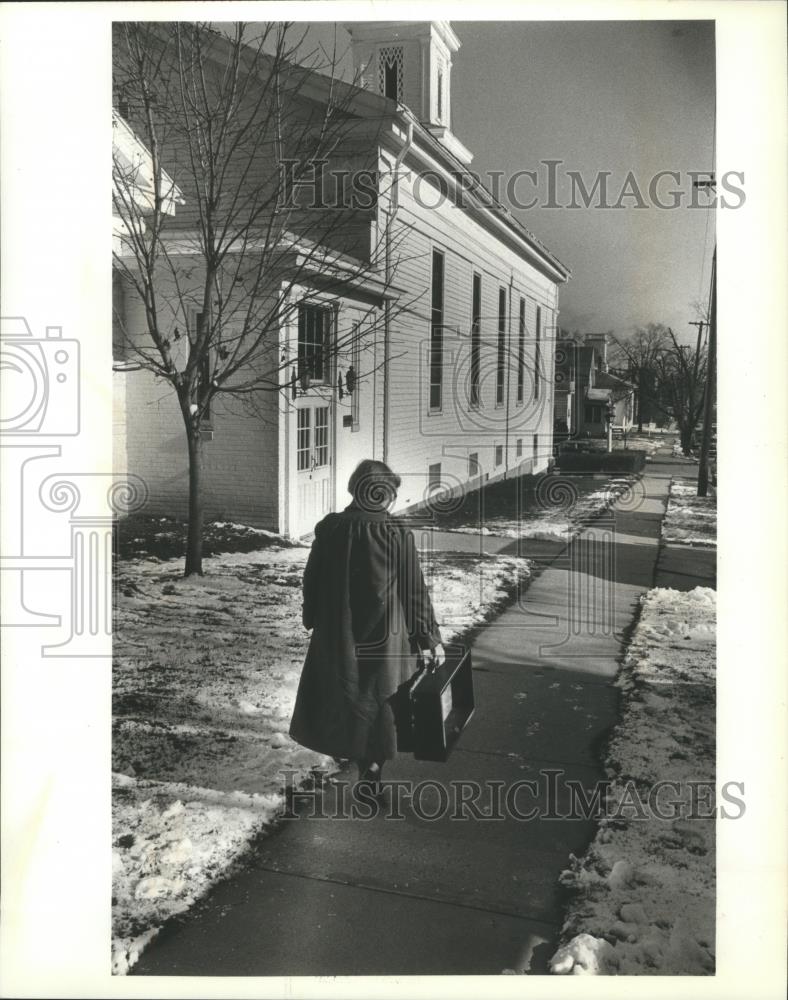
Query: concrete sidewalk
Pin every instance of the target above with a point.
(454, 896)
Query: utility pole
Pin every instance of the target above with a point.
(711, 363)
(700, 323)
(708, 402)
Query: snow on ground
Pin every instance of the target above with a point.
(679, 453)
(690, 519)
(643, 894)
(638, 442)
(205, 675)
(562, 507)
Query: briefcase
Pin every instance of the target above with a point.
(432, 710)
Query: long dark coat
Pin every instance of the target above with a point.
(370, 611)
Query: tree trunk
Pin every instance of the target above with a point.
(194, 536)
(686, 440)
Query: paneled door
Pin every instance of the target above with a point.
(313, 461)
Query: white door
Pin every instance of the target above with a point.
(313, 465)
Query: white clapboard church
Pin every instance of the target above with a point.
(455, 385)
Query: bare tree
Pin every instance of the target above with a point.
(272, 159)
(637, 358)
(681, 376)
(670, 377)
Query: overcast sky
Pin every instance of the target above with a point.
(614, 96)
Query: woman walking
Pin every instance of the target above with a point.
(370, 613)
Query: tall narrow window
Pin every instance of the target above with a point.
(390, 72)
(303, 439)
(521, 353)
(499, 454)
(476, 339)
(434, 476)
(436, 332)
(473, 464)
(440, 95)
(321, 435)
(536, 447)
(314, 325)
(538, 353)
(500, 373)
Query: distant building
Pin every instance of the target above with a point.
(585, 389)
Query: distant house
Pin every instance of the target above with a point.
(585, 389)
(564, 388)
(453, 381)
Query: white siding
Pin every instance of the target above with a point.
(418, 437)
(241, 461)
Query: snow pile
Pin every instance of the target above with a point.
(205, 676)
(245, 529)
(141, 536)
(690, 519)
(170, 842)
(643, 894)
(561, 512)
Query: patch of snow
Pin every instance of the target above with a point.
(638, 442)
(561, 522)
(690, 519)
(244, 529)
(584, 955)
(172, 841)
(644, 892)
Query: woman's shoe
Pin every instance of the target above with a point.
(371, 783)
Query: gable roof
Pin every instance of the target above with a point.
(364, 104)
(132, 170)
(367, 104)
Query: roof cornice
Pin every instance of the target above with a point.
(486, 208)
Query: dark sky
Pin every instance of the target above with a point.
(613, 96)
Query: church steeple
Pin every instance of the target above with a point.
(411, 62)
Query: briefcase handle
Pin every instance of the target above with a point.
(422, 663)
